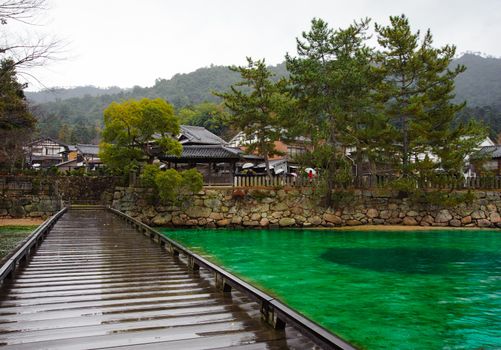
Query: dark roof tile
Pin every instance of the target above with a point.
(205, 152)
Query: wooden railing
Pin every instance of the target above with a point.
(20, 255)
(274, 181)
(372, 181)
(273, 311)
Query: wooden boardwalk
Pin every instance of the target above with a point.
(96, 282)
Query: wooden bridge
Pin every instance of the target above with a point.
(87, 279)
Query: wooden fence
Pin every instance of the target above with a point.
(370, 182)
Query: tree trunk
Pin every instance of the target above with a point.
(267, 163)
(405, 155)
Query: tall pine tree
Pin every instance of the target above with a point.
(418, 89)
(333, 82)
(256, 103)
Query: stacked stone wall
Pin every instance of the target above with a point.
(43, 196)
(299, 208)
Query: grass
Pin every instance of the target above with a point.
(12, 236)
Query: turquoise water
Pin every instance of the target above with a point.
(378, 290)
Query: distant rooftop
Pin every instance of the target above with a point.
(88, 149)
(199, 135)
(204, 152)
(490, 151)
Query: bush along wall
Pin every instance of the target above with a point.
(299, 208)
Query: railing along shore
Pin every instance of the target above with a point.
(273, 311)
(21, 254)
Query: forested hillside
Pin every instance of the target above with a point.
(75, 115)
(480, 84)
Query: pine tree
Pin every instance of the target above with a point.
(256, 103)
(418, 89)
(333, 81)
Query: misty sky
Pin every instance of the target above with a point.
(133, 42)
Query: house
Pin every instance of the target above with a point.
(198, 135)
(217, 163)
(206, 152)
(487, 160)
(86, 157)
(70, 153)
(279, 164)
(44, 152)
(289, 149)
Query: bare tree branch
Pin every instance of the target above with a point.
(32, 50)
(20, 10)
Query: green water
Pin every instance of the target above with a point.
(378, 290)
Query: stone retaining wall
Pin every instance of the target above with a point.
(42, 196)
(35, 206)
(297, 208)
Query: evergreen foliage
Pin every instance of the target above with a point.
(478, 86)
(418, 88)
(333, 82)
(256, 108)
(209, 115)
(16, 121)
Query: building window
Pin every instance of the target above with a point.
(294, 151)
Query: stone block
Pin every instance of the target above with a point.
(494, 217)
(264, 222)
(443, 216)
(198, 212)
(250, 223)
(353, 223)
(162, 219)
(17, 211)
(409, 221)
(483, 223)
(216, 216)
(236, 220)
(223, 222)
(478, 214)
(212, 203)
(332, 219)
(255, 217)
(281, 206)
(466, 220)
(315, 220)
(287, 222)
(372, 213)
(385, 214)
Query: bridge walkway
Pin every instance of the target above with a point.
(95, 282)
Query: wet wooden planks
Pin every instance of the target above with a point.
(97, 283)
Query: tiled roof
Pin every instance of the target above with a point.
(46, 139)
(491, 151)
(205, 152)
(88, 149)
(199, 135)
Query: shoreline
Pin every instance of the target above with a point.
(21, 222)
(398, 228)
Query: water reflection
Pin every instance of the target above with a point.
(410, 260)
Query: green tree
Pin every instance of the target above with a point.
(256, 103)
(332, 80)
(209, 115)
(131, 128)
(172, 186)
(65, 133)
(418, 89)
(16, 121)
